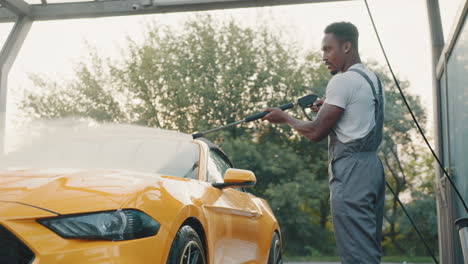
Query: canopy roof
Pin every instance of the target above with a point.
(69, 9)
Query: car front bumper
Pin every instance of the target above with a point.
(24, 240)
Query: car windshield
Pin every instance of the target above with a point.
(121, 147)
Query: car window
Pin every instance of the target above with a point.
(185, 163)
(216, 168)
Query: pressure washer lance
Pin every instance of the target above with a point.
(303, 102)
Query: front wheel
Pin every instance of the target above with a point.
(275, 250)
(187, 248)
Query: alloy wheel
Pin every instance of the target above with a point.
(192, 254)
(277, 252)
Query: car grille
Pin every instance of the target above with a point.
(12, 250)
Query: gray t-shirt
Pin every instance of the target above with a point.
(350, 91)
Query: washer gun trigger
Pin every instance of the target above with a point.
(307, 102)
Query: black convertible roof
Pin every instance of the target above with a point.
(217, 149)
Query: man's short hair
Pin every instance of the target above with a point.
(344, 31)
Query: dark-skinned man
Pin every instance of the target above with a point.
(352, 118)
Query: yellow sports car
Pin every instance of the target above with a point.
(134, 195)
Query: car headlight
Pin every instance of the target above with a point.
(109, 225)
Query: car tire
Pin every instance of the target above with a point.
(187, 248)
(275, 256)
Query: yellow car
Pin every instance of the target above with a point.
(123, 197)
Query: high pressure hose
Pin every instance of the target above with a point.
(420, 131)
(412, 223)
(413, 116)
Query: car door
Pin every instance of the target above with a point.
(232, 217)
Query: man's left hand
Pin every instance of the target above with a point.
(275, 115)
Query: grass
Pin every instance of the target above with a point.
(409, 259)
(327, 258)
(415, 259)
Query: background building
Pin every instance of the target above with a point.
(451, 125)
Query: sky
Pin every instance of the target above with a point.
(53, 48)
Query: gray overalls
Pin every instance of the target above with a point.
(357, 190)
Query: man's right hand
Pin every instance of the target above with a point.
(316, 106)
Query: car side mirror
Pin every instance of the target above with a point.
(237, 178)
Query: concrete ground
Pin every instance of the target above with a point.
(340, 263)
(311, 263)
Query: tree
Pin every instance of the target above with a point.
(405, 163)
(210, 74)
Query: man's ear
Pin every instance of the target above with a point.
(347, 47)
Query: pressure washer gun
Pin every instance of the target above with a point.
(303, 102)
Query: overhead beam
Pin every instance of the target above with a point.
(18, 7)
(106, 8)
(6, 15)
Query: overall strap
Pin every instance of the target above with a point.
(378, 110)
(370, 82)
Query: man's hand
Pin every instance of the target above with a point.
(316, 106)
(275, 115)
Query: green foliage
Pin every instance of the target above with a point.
(389, 259)
(210, 74)
(408, 169)
(423, 211)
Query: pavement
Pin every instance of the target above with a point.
(312, 263)
(340, 263)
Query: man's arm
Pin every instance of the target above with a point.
(315, 130)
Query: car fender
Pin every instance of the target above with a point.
(187, 212)
(270, 225)
(170, 208)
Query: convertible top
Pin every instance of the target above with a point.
(217, 149)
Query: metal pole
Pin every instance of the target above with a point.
(443, 200)
(7, 57)
(437, 35)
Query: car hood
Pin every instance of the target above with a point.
(73, 191)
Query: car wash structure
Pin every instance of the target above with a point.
(450, 75)
(450, 93)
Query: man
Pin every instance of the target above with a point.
(352, 117)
